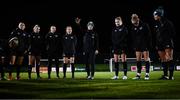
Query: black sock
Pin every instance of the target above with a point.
(37, 70)
(125, 68)
(87, 69)
(10, 67)
(139, 65)
(2, 70)
(147, 64)
(49, 71)
(29, 71)
(64, 69)
(18, 68)
(171, 68)
(165, 68)
(92, 70)
(72, 69)
(116, 68)
(57, 70)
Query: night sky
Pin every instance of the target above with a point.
(102, 13)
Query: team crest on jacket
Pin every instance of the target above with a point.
(93, 36)
(56, 35)
(39, 37)
(140, 28)
(120, 29)
(24, 34)
(156, 26)
(162, 25)
(167, 46)
(71, 37)
(33, 36)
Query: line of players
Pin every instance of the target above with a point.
(22, 43)
(140, 32)
(142, 42)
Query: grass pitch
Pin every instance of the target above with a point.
(101, 87)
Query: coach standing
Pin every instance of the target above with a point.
(91, 45)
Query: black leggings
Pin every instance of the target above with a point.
(90, 60)
(50, 62)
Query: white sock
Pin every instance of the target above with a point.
(147, 74)
(138, 74)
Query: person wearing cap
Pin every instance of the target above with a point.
(141, 35)
(91, 46)
(165, 32)
(119, 42)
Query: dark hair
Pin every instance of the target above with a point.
(159, 11)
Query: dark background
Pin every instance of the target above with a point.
(62, 13)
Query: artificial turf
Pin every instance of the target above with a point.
(101, 87)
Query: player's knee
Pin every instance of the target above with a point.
(168, 57)
(146, 59)
(30, 62)
(12, 62)
(138, 58)
(72, 60)
(65, 61)
(115, 60)
(123, 60)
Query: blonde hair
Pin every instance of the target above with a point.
(118, 18)
(134, 17)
